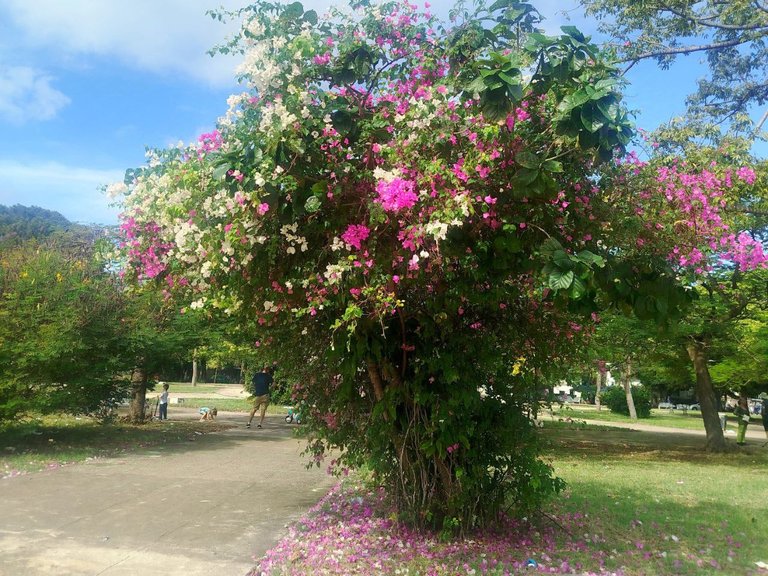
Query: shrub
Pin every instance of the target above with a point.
(615, 398)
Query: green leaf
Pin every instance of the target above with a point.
(553, 166)
(500, 4)
(578, 288)
(527, 159)
(608, 107)
(312, 204)
(311, 17)
(220, 172)
(590, 258)
(573, 32)
(562, 260)
(560, 280)
(591, 119)
(293, 11)
(319, 187)
(549, 247)
(525, 177)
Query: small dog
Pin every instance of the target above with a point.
(208, 413)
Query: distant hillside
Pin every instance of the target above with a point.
(20, 223)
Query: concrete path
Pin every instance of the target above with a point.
(755, 434)
(209, 507)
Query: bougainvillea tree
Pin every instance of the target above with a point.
(703, 208)
(408, 216)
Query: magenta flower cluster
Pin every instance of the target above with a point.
(148, 259)
(700, 198)
(210, 141)
(396, 194)
(355, 235)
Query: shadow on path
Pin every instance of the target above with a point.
(206, 507)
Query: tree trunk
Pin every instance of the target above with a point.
(696, 349)
(599, 386)
(138, 395)
(194, 368)
(628, 389)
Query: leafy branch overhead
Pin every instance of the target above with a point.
(730, 35)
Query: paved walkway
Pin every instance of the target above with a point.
(755, 434)
(208, 508)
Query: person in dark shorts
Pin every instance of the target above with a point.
(261, 382)
(764, 413)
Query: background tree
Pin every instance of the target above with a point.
(716, 240)
(59, 341)
(156, 335)
(732, 36)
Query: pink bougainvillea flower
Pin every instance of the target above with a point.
(396, 194)
(355, 235)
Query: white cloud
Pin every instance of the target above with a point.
(74, 191)
(26, 95)
(159, 36)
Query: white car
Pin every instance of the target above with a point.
(666, 406)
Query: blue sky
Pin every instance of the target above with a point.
(87, 85)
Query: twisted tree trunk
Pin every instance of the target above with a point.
(705, 392)
(139, 380)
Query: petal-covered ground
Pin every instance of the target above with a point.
(352, 531)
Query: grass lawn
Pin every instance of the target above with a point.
(637, 503)
(227, 405)
(187, 388)
(53, 441)
(690, 420)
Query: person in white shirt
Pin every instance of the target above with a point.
(164, 403)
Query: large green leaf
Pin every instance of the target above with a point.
(559, 280)
(527, 159)
(592, 119)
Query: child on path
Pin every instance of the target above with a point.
(164, 403)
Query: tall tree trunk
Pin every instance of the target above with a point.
(599, 387)
(705, 392)
(138, 395)
(194, 367)
(626, 376)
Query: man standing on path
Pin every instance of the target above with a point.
(261, 383)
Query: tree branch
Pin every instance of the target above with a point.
(762, 121)
(707, 21)
(685, 50)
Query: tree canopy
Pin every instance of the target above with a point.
(732, 35)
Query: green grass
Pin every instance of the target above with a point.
(653, 493)
(186, 388)
(663, 418)
(637, 503)
(52, 441)
(226, 405)
(223, 404)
